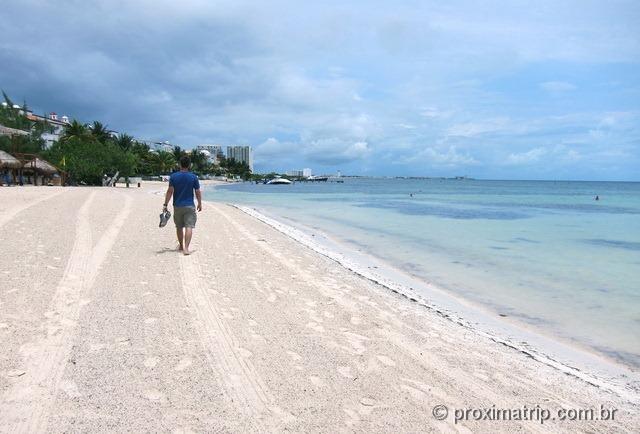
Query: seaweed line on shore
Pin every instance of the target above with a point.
(625, 391)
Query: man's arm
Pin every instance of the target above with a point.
(199, 197)
(167, 196)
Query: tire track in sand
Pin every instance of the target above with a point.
(14, 211)
(239, 376)
(25, 407)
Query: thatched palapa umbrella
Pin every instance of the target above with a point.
(8, 161)
(40, 166)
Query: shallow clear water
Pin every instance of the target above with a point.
(545, 253)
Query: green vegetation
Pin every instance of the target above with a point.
(86, 152)
(13, 117)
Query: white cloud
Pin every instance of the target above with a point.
(440, 156)
(472, 129)
(525, 158)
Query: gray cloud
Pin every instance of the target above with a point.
(359, 85)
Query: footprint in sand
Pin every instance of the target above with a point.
(4, 325)
(356, 320)
(153, 394)
(316, 381)
(368, 402)
(183, 364)
(151, 362)
(272, 298)
(386, 360)
(71, 389)
(150, 320)
(345, 371)
(252, 323)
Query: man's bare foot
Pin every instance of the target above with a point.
(179, 249)
(186, 252)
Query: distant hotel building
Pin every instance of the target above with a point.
(304, 173)
(214, 152)
(243, 154)
(160, 146)
(56, 123)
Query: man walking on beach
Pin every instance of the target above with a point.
(182, 184)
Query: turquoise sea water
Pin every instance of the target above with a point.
(544, 253)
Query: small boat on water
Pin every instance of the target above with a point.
(314, 178)
(279, 181)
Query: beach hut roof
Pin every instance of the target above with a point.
(6, 131)
(41, 166)
(8, 161)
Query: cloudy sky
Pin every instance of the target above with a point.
(491, 89)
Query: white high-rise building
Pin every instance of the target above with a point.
(215, 152)
(304, 173)
(243, 154)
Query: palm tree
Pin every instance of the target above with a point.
(124, 141)
(74, 130)
(100, 132)
(178, 153)
(164, 161)
(199, 161)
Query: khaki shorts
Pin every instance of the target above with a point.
(185, 216)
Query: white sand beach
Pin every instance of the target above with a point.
(105, 327)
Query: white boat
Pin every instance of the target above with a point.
(281, 181)
(314, 178)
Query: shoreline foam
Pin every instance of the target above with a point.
(600, 372)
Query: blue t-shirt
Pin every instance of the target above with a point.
(183, 184)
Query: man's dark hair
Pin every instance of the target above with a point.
(185, 162)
